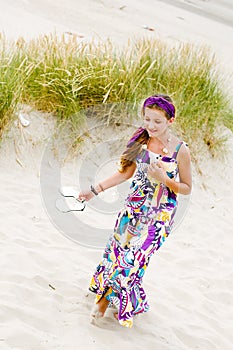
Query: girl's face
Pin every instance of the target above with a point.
(155, 122)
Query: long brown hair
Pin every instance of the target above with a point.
(139, 138)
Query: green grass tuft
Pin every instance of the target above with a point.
(63, 76)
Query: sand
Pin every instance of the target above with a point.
(44, 276)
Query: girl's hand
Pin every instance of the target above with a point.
(157, 172)
(85, 195)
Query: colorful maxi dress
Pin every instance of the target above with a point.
(141, 228)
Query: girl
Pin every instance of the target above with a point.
(160, 165)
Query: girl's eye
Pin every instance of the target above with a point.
(156, 121)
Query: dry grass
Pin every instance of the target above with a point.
(61, 75)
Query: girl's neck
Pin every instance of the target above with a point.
(164, 138)
(160, 143)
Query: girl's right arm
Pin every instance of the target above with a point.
(114, 180)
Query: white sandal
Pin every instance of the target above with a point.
(65, 205)
(68, 191)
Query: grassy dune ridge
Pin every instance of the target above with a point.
(61, 75)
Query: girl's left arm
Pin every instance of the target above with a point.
(184, 186)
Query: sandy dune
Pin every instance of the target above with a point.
(44, 275)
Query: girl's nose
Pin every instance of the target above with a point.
(151, 126)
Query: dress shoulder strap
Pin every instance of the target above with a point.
(177, 149)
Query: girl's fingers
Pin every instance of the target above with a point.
(85, 196)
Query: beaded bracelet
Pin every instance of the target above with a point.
(101, 187)
(94, 191)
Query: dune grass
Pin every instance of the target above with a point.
(63, 76)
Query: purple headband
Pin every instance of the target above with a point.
(162, 103)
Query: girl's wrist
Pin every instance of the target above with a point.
(100, 187)
(97, 189)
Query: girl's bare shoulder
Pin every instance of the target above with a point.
(184, 153)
